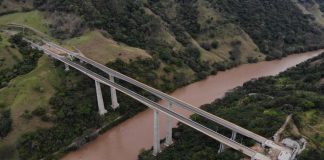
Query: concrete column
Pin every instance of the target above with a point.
(221, 148)
(233, 135)
(50, 58)
(67, 67)
(114, 102)
(70, 57)
(168, 139)
(156, 136)
(101, 105)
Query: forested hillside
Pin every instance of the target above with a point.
(165, 44)
(196, 36)
(266, 22)
(261, 106)
(277, 27)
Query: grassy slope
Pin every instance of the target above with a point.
(23, 92)
(313, 126)
(110, 50)
(34, 19)
(107, 50)
(8, 56)
(28, 92)
(13, 5)
(311, 9)
(225, 35)
(167, 36)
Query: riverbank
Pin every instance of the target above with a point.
(120, 140)
(261, 106)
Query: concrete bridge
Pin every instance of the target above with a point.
(281, 152)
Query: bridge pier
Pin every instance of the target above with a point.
(222, 147)
(70, 56)
(168, 139)
(52, 59)
(156, 134)
(100, 101)
(233, 135)
(67, 67)
(114, 102)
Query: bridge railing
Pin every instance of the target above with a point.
(264, 141)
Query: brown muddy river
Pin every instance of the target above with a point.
(126, 140)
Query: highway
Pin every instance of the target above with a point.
(177, 102)
(222, 139)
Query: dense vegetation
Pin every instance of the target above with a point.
(29, 62)
(74, 113)
(130, 22)
(136, 28)
(261, 106)
(5, 123)
(278, 29)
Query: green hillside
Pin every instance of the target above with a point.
(22, 96)
(214, 31)
(9, 56)
(165, 44)
(260, 106)
(313, 8)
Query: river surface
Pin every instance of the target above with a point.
(126, 140)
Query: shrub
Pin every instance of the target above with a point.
(252, 60)
(167, 69)
(27, 115)
(29, 62)
(215, 44)
(2, 104)
(206, 46)
(40, 111)
(296, 31)
(192, 52)
(7, 152)
(5, 123)
(235, 54)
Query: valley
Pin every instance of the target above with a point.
(196, 50)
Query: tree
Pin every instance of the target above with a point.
(206, 46)
(5, 123)
(215, 44)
